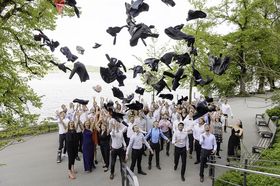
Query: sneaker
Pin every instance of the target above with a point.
(201, 179)
(106, 169)
(78, 158)
(111, 176)
(65, 155)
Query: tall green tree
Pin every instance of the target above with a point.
(22, 58)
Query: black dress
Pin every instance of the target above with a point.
(71, 146)
(234, 144)
(104, 140)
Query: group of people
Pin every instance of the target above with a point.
(83, 129)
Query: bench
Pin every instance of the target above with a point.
(266, 129)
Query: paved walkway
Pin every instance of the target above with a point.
(33, 162)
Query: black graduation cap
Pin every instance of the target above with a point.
(129, 98)
(177, 34)
(113, 31)
(137, 70)
(81, 101)
(180, 101)
(135, 106)
(115, 63)
(81, 70)
(61, 66)
(208, 99)
(117, 93)
(66, 51)
(140, 31)
(169, 2)
(201, 109)
(153, 63)
(96, 45)
(166, 96)
(183, 59)
(139, 90)
(167, 58)
(136, 8)
(73, 3)
(218, 64)
(176, 77)
(46, 41)
(195, 14)
(80, 49)
(107, 75)
(198, 78)
(160, 85)
(116, 115)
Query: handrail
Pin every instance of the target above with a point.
(246, 170)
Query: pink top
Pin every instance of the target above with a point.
(165, 125)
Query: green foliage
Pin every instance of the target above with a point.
(274, 111)
(276, 97)
(22, 58)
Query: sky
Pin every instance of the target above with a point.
(98, 15)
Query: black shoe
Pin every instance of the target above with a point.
(183, 178)
(78, 158)
(58, 159)
(197, 162)
(158, 167)
(144, 153)
(111, 176)
(150, 167)
(201, 179)
(167, 153)
(175, 167)
(96, 162)
(141, 172)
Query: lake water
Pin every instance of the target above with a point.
(58, 89)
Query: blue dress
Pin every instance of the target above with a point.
(87, 150)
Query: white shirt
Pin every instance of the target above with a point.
(197, 131)
(175, 125)
(149, 123)
(61, 129)
(130, 131)
(157, 114)
(189, 125)
(180, 139)
(117, 139)
(84, 117)
(226, 109)
(136, 142)
(208, 142)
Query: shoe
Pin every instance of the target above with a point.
(96, 162)
(78, 158)
(197, 162)
(144, 154)
(150, 167)
(65, 155)
(167, 153)
(190, 156)
(201, 179)
(141, 172)
(93, 166)
(219, 156)
(58, 160)
(158, 167)
(111, 176)
(175, 167)
(183, 178)
(104, 166)
(106, 169)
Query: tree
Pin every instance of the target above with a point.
(21, 57)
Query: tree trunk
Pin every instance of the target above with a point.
(242, 86)
(261, 85)
(271, 81)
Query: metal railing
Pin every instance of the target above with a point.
(245, 170)
(128, 177)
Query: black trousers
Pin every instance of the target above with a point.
(114, 153)
(197, 147)
(203, 159)
(72, 153)
(156, 148)
(80, 141)
(62, 143)
(218, 148)
(105, 151)
(190, 136)
(180, 151)
(136, 156)
(167, 134)
(226, 122)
